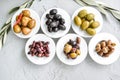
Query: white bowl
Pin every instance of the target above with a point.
(104, 60)
(98, 17)
(40, 60)
(60, 33)
(60, 48)
(34, 15)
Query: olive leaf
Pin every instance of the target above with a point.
(80, 2)
(116, 14)
(102, 10)
(1, 43)
(90, 2)
(13, 10)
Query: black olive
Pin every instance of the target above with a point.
(49, 29)
(57, 17)
(53, 11)
(54, 29)
(70, 42)
(61, 27)
(48, 21)
(49, 16)
(53, 24)
(62, 21)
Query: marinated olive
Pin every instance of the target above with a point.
(17, 29)
(48, 21)
(61, 27)
(25, 20)
(67, 48)
(82, 13)
(91, 31)
(49, 16)
(53, 11)
(90, 16)
(85, 25)
(31, 23)
(95, 24)
(77, 20)
(26, 30)
(54, 29)
(26, 13)
(57, 17)
(73, 55)
(62, 21)
(53, 24)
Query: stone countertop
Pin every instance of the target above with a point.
(15, 66)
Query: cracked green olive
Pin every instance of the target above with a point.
(95, 24)
(77, 21)
(90, 16)
(91, 31)
(73, 55)
(67, 48)
(85, 25)
(82, 13)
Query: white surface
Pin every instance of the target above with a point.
(59, 33)
(60, 49)
(15, 66)
(104, 60)
(40, 60)
(98, 18)
(33, 15)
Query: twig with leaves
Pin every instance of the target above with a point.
(103, 8)
(6, 27)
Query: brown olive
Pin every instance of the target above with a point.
(17, 29)
(26, 30)
(25, 20)
(73, 55)
(31, 23)
(26, 13)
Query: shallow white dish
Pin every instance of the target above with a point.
(104, 60)
(60, 33)
(98, 17)
(40, 60)
(60, 47)
(34, 15)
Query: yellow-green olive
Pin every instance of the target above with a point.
(26, 13)
(91, 31)
(67, 48)
(73, 55)
(95, 24)
(26, 30)
(82, 13)
(17, 29)
(77, 20)
(90, 16)
(85, 25)
(31, 23)
(25, 20)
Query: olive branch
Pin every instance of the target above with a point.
(6, 27)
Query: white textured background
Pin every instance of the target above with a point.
(15, 66)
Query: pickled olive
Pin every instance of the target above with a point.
(105, 50)
(103, 44)
(109, 42)
(85, 25)
(17, 29)
(82, 13)
(31, 23)
(67, 48)
(95, 24)
(98, 45)
(91, 31)
(25, 20)
(77, 20)
(73, 55)
(26, 30)
(26, 13)
(100, 53)
(90, 16)
(78, 52)
(98, 49)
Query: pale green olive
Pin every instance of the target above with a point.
(85, 25)
(90, 16)
(95, 24)
(77, 21)
(82, 13)
(91, 31)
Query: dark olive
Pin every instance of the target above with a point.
(53, 11)
(62, 21)
(53, 24)
(54, 29)
(50, 29)
(48, 21)
(49, 16)
(61, 27)
(57, 17)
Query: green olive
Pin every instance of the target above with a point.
(91, 31)
(90, 16)
(31, 23)
(26, 13)
(82, 13)
(95, 24)
(67, 48)
(85, 25)
(77, 20)
(73, 55)
(17, 29)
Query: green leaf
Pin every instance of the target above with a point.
(1, 43)
(30, 3)
(90, 2)
(116, 14)
(80, 2)
(4, 37)
(102, 10)
(24, 5)
(13, 10)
